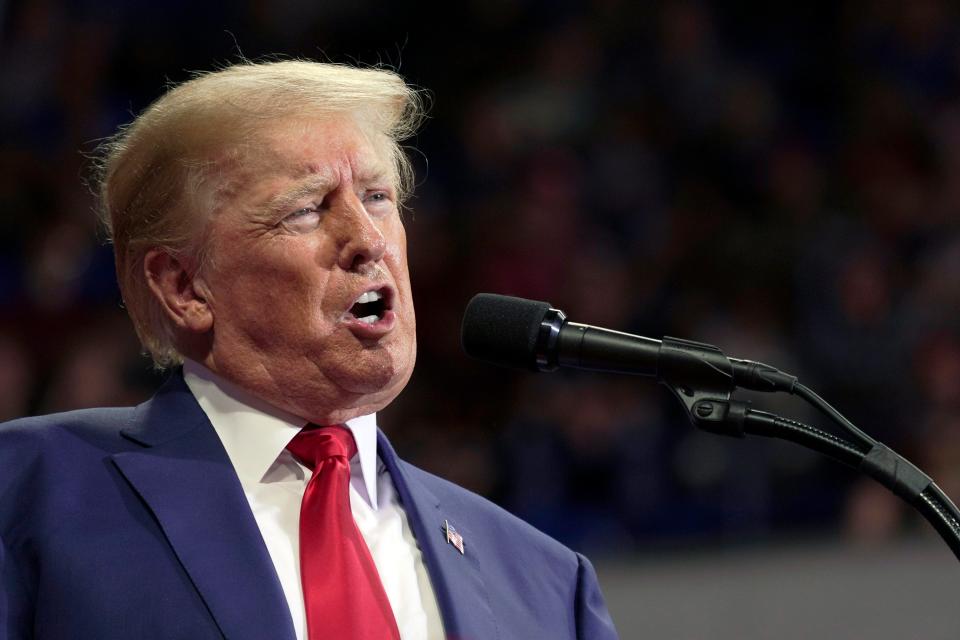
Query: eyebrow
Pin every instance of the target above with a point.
(316, 183)
(312, 185)
(375, 173)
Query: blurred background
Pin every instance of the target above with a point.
(777, 179)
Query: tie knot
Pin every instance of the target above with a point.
(313, 444)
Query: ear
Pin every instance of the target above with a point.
(181, 293)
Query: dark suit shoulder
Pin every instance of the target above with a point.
(40, 447)
(102, 424)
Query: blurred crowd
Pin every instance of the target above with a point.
(778, 181)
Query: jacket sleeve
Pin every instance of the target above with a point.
(593, 619)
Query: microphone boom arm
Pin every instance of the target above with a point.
(530, 334)
(703, 379)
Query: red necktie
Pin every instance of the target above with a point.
(342, 593)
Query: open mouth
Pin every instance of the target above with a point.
(371, 306)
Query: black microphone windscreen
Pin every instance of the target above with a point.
(502, 329)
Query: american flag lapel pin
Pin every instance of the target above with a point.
(453, 537)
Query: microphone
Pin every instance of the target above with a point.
(530, 334)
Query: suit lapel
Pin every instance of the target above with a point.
(456, 578)
(185, 478)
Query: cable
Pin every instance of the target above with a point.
(825, 407)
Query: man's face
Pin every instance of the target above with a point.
(306, 273)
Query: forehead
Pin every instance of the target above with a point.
(302, 147)
(283, 159)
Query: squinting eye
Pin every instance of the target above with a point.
(378, 196)
(302, 220)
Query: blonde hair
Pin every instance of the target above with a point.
(161, 175)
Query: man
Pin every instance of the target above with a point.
(254, 213)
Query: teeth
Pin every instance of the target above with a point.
(368, 319)
(369, 296)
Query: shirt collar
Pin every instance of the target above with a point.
(255, 433)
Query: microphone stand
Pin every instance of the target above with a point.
(703, 379)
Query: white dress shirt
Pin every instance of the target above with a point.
(255, 436)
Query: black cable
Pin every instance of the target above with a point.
(932, 497)
(810, 396)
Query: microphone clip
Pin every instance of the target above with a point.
(702, 378)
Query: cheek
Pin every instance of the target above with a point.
(397, 255)
(396, 258)
(267, 292)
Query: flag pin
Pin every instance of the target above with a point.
(453, 537)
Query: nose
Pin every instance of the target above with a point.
(359, 239)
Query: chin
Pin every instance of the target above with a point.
(377, 377)
(358, 403)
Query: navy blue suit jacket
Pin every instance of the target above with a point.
(131, 523)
